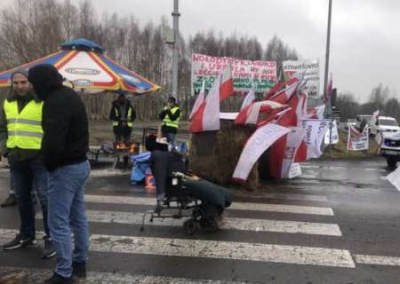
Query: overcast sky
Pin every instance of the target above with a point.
(365, 41)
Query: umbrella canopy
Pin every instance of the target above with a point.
(83, 63)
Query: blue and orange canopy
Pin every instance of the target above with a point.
(83, 63)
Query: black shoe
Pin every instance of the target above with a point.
(10, 201)
(48, 249)
(79, 269)
(19, 242)
(58, 279)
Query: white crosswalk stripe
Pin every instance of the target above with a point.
(295, 209)
(300, 255)
(37, 276)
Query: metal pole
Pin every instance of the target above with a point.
(328, 43)
(175, 15)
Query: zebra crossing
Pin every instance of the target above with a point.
(120, 253)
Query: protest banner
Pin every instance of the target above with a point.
(312, 74)
(246, 73)
(357, 141)
(257, 144)
(315, 133)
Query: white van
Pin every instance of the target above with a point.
(384, 124)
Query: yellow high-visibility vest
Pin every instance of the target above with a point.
(170, 123)
(25, 128)
(129, 117)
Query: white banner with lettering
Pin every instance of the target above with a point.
(315, 133)
(312, 74)
(247, 74)
(257, 144)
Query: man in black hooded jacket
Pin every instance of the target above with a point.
(64, 148)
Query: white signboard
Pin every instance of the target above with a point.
(312, 74)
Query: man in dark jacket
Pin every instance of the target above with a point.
(122, 115)
(170, 117)
(64, 146)
(20, 140)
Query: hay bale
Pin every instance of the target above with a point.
(214, 155)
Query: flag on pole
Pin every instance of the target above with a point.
(226, 81)
(199, 100)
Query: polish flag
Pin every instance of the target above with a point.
(283, 153)
(206, 117)
(226, 83)
(251, 114)
(199, 100)
(277, 87)
(249, 99)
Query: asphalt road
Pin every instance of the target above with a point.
(337, 223)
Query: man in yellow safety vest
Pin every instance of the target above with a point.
(20, 140)
(170, 117)
(122, 115)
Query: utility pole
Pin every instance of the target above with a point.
(175, 51)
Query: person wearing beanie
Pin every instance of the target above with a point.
(170, 117)
(65, 145)
(20, 140)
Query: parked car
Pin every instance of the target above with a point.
(384, 124)
(390, 147)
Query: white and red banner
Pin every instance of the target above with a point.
(283, 153)
(357, 141)
(257, 144)
(312, 74)
(315, 130)
(246, 73)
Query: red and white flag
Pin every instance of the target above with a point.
(248, 99)
(226, 81)
(199, 100)
(283, 153)
(376, 114)
(251, 113)
(207, 116)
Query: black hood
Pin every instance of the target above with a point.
(45, 79)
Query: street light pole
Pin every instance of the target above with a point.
(175, 15)
(328, 43)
